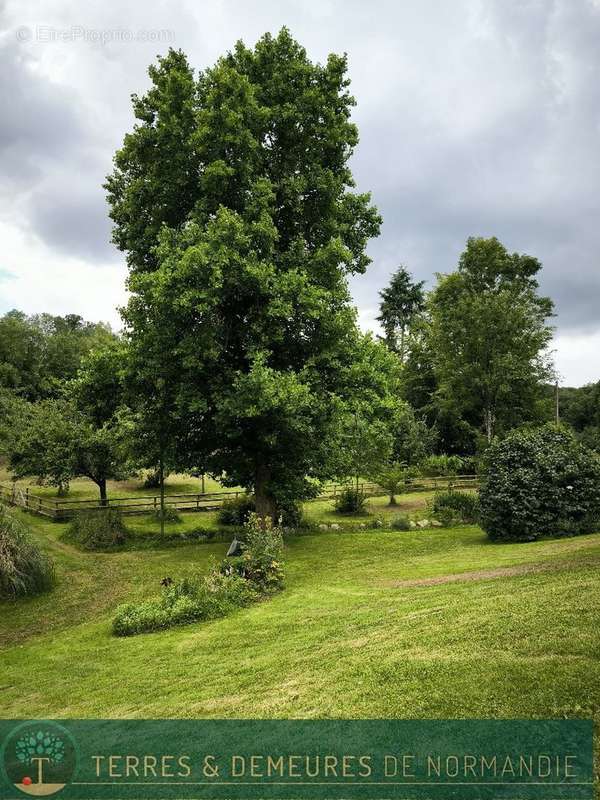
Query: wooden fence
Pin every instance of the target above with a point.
(58, 508)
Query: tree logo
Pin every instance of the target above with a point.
(39, 758)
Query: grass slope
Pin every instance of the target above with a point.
(341, 641)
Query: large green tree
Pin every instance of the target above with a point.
(56, 443)
(447, 426)
(489, 334)
(402, 301)
(250, 269)
(372, 425)
(154, 390)
(78, 433)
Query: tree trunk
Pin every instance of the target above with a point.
(393, 500)
(488, 420)
(161, 476)
(402, 345)
(265, 507)
(102, 486)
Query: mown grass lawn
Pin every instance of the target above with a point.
(315, 513)
(343, 639)
(412, 503)
(85, 489)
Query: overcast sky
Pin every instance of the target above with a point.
(476, 117)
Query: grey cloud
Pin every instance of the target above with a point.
(523, 167)
(477, 117)
(39, 122)
(51, 181)
(72, 216)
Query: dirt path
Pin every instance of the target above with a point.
(481, 574)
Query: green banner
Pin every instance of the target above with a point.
(288, 759)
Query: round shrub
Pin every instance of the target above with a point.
(262, 553)
(169, 514)
(151, 478)
(236, 511)
(400, 522)
(103, 529)
(24, 569)
(433, 466)
(460, 506)
(447, 517)
(540, 482)
(350, 501)
(290, 513)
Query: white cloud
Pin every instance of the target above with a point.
(576, 358)
(34, 279)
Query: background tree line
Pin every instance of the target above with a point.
(475, 348)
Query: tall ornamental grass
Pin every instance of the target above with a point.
(24, 568)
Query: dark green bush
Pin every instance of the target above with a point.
(433, 466)
(24, 569)
(540, 482)
(169, 514)
(401, 522)
(152, 478)
(470, 465)
(290, 513)
(262, 552)
(350, 501)
(453, 505)
(102, 529)
(447, 517)
(237, 510)
(188, 600)
(233, 564)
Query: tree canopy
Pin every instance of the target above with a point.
(56, 442)
(401, 303)
(249, 263)
(489, 335)
(38, 353)
(580, 408)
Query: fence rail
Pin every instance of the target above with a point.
(58, 508)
